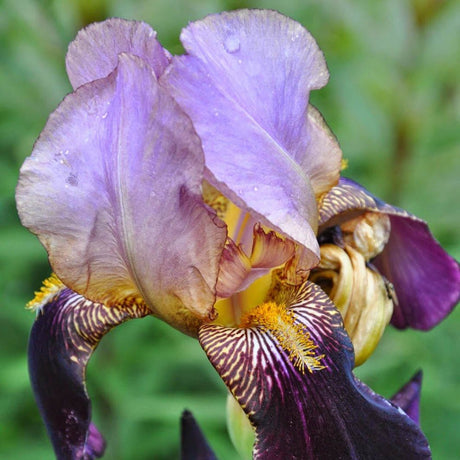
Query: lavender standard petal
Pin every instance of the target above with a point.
(94, 52)
(245, 83)
(112, 189)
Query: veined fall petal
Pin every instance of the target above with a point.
(245, 82)
(426, 279)
(302, 398)
(113, 191)
(67, 330)
(94, 52)
(242, 433)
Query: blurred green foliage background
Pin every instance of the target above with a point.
(394, 103)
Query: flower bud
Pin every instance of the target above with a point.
(360, 294)
(368, 233)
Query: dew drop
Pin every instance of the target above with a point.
(104, 116)
(92, 106)
(72, 179)
(256, 189)
(232, 44)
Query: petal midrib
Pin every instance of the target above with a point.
(122, 191)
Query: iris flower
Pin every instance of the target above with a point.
(204, 190)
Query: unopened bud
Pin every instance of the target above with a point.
(368, 233)
(376, 310)
(359, 293)
(334, 274)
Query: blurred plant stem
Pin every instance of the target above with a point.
(423, 12)
(91, 10)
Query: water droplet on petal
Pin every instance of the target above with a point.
(232, 44)
(72, 179)
(256, 189)
(93, 105)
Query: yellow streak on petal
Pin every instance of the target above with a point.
(230, 310)
(214, 199)
(255, 294)
(270, 249)
(243, 221)
(292, 337)
(51, 286)
(226, 314)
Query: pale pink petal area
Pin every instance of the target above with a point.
(94, 52)
(113, 190)
(245, 82)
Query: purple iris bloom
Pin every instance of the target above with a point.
(193, 189)
(426, 279)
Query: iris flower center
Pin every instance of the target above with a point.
(252, 251)
(279, 321)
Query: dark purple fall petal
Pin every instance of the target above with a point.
(245, 83)
(62, 339)
(94, 52)
(95, 443)
(113, 191)
(426, 279)
(326, 414)
(193, 443)
(408, 397)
